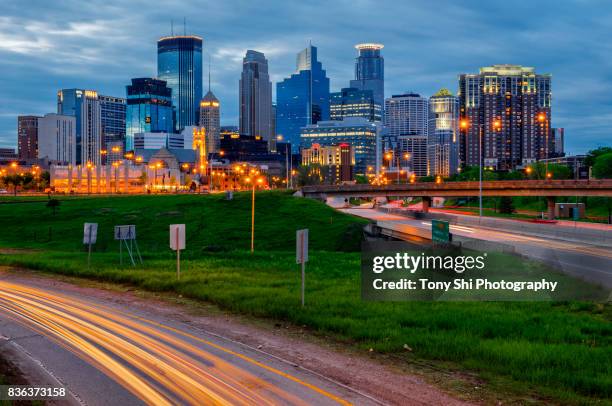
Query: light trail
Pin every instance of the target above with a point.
(159, 364)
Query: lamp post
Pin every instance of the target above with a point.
(465, 124)
(255, 183)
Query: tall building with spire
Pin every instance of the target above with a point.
(255, 96)
(210, 117)
(370, 71)
(179, 64)
(303, 98)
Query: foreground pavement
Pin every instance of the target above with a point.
(110, 347)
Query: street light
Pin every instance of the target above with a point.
(465, 124)
(256, 182)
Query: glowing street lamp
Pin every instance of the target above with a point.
(255, 182)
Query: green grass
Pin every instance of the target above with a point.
(563, 350)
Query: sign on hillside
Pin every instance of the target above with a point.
(440, 231)
(301, 246)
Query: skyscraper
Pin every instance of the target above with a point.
(84, 105)
(57, 141)
(149, 109)
(370, 71)
(27, 137)
(442, 143)
(511, 105)
(255, 95)
(303, 98)
(179, 63)
(407, 128)
(210, 120)
(351, 102)
(558, 135)
(112, 116)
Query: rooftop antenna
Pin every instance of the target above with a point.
(172, 27)
(185, 26)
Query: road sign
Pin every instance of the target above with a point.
(301, 248)
(177, 236)
(90, 233)
(440, 231)
(177, 243)
(301, 254)
(125, 232)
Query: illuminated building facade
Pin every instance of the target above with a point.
(57, 139)
(112, 112)
(149, 109)
(407, 128)
(442, 143)
(255, 95)
(511, 104)
(179, 63)
(303, 98)
(157, 140)
(352, 102)
(85, 106)
(210, 120)
(370, 71)
(361, 134)
(27, 137)
(336, 161)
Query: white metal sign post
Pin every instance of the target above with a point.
(301, 254)
(90, 234)
(177, 243)
(124, 234)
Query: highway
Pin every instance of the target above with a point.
(586, 260)
(106, 353)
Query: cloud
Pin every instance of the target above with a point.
(102, 44)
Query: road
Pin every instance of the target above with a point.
(107, 353)
(582, 259)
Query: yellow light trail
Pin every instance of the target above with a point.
(159, 364)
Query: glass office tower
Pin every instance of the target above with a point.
(85, 106)
(149, 109)
(370, 71)
(179, 63)
(303, 98)
(351, 102)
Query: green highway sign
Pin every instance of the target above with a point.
(439, 231)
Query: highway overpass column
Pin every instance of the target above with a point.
(426, 204)
(551, 207)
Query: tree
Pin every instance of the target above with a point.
(15, 180)
(361, 180)
(589, 161)
(602, 168)
(557, 171)
(53, 204)
(505, 205)
(310, 175)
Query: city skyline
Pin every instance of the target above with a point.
(100, 40)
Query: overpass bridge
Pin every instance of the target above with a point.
(550, 189)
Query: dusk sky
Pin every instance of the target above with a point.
(101, 45)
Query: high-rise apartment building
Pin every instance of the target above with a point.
(179, 63)
(27, 137)
(84, 105)
(57, 138)
(370, 71)
(352, 102)
(406, 132)
(303, 98)
(509, 106)
(442, 143)
(210, 119)
(149, 109)
(255, 96)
